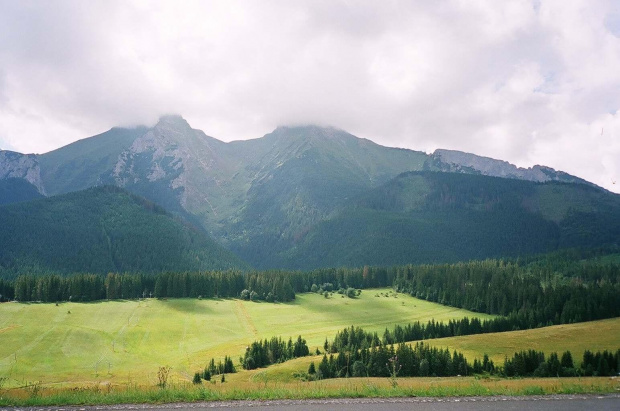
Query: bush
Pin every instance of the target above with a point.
(197, 378)
(245, 294)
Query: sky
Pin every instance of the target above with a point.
(529, 82)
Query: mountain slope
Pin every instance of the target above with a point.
(441, 217)
(23, 166)
(272, 200)
(305, 175)
(100, 230)
(17, 190)
(85, 163)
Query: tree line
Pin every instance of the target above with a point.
(422, 360)
(532, 363)
(537, 294)
(405, 360)
(528, 293)
(353, 338)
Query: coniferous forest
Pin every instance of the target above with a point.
(559, 288)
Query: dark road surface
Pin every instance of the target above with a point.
(546, 403)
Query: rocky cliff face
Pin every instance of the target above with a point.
(26, 166)
(460, 162)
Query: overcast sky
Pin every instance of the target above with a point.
(530, 82)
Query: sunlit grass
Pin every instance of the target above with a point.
(576, 338)
(126, 341)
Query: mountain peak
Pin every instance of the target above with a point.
(172, 120)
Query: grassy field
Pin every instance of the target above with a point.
(123, 342)
(594, 336)
(576, 338)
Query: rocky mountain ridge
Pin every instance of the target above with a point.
(24, 166)
(266, 198)
(458, 161)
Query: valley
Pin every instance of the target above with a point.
(159, 246)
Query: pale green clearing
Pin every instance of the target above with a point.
(124, 342)
(594, 336)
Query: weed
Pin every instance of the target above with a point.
(162, 376)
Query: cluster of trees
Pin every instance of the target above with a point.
(53, 288)
(258, 285)
(532, 363)
(537, 295)
(405, 360)
(266, 352)
(212, 369)
(222, 367)
(272, 286)
(7, 290)
(600, 363)
(355, 337)
(530, 293)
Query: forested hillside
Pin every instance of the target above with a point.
(16, 190)
(101, 230)
(429, 217)
(305, 197)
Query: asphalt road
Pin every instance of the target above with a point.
(546, 403)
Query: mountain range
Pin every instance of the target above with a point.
(305, 197)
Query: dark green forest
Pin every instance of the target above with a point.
(566, 287)
(431, 217)
(101, 230)
(17, 190)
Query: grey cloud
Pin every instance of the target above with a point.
(513, 80)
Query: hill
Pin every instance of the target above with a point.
(16, 190)
(425, 217)
(101, 230)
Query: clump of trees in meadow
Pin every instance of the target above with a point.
(212, 369)
(532, 363)
(266, 352)
(404, 360)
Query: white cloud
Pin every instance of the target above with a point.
(525, 81)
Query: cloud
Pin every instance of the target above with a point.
(525, 81)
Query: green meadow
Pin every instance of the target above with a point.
(125, 342)
(593, 335)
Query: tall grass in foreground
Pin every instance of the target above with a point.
(353, 388)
